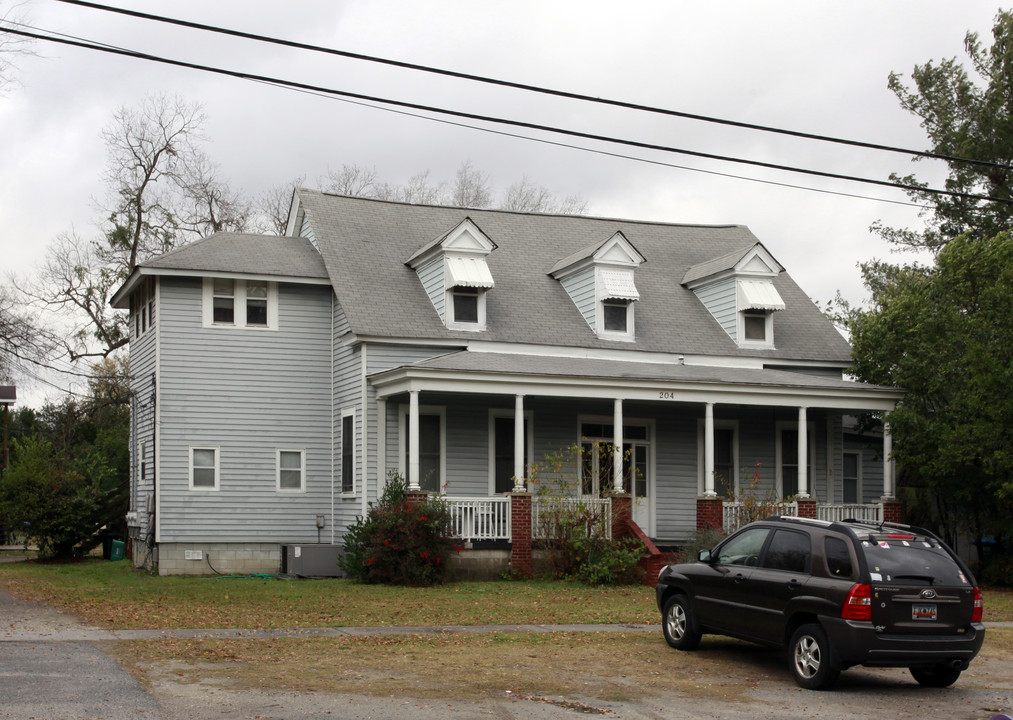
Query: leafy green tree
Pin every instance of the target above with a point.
(945, 335)
(55, 500)
(968, 118)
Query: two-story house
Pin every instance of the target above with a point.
(276, 381)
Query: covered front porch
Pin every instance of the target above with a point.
(677, 445)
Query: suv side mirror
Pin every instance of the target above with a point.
(704, 556)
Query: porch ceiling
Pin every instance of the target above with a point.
(518, 374)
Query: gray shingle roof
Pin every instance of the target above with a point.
(364, 244)
(247, 254)
(487, 362)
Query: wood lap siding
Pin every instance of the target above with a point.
(580, 287)
(719, 299)
(143, 404)
(247, 392)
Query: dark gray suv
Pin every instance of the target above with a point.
(835, 594)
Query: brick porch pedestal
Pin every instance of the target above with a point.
(520, 530)
(710, 513)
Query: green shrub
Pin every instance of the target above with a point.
(400, 542)
(600, 561)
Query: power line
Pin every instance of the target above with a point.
(528, 88)
(500, 121)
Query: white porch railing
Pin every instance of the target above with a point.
(736, 514)
(480, 518)
(864, 513)
(544, 511)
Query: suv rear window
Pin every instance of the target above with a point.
(838, 558)
(910, 561)
(788, 551)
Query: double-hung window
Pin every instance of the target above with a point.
(240, 303)
(224, 302)
(291, 470)
(204, 473)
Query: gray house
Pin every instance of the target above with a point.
(276, 381)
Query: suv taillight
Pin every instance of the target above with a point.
(979, 606)
(858, 605)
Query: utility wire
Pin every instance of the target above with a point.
(500, 121)
(525, 87)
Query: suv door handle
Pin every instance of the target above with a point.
(739, 577)
(794, 584)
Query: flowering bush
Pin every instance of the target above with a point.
(400, 542)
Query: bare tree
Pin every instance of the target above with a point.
(12, 46)
(528, 196)
(209, 204)
(353, 180)
(163, 193)
(22, 342)
(471, 188)
(274, 204)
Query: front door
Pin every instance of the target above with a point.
(597, 464)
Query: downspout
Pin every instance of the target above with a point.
(333, 408)
(364, 458)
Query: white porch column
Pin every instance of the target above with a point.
(617, 457)
(708, 450)
(413, 440)
(519, 479)
(381, 445)
(803, 454)
(889, 481)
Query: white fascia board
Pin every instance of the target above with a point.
(293, 214)
(119, 299)
(406, 379)
(624, 355)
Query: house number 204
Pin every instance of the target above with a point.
(667, 395)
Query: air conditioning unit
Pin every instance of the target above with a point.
(311, 560)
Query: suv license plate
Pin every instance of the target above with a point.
(923, 612)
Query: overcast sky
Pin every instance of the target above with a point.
(819, 67)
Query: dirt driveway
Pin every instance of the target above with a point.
(725, 679)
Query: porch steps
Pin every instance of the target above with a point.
(653, 559)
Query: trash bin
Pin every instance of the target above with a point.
(116, 550)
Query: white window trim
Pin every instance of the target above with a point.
(349, 412)
(732, 425)
(529, 421)
(448, 305)
(648, 423)
(628, 336)
(858, 469)
(810, 436)
(239, 300)
(218, 475)
(402, 435)
(302, 471)
(767, 343)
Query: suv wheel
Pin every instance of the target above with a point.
(810, 658)
(937, 676)
(677, 624)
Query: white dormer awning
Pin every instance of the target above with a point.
(758, 295)
(468, 272)
(618, 285)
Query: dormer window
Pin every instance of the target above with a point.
(465, 301)
(599, 279)
(754, 325)
(738, 290)
(616, 315)
(454, 272)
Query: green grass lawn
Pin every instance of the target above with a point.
(111, 594)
